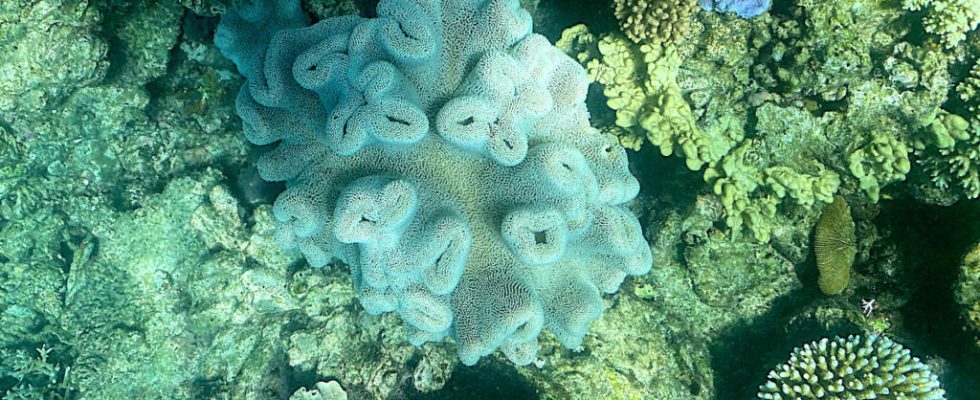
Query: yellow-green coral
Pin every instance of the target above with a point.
(640, 85)
(884, 160)
(949, 151)
(734, 179)
(654, 21)
(835, 246)
(950, 19)
(750, 192)
(803, 188)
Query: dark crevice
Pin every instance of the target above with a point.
(933, 242)
(490, 379)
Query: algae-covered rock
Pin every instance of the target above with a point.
(48, 50)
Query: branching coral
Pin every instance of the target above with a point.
(444, 152)
(859, 367)
(968, 90)
(948, 150)
(952, 20)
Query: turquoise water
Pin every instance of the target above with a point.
(489, 199)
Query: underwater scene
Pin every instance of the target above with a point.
(490, 199)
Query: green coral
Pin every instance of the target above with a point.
(774, 120)
(884, 160)
(948, 150)
(654, 22)
(776, 167)
(952, 20)
(640, 85)
(835, 246)
(858, 367)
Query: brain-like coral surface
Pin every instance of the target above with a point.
(871, 367)
(444, 152)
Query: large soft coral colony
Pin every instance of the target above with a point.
(444, 152)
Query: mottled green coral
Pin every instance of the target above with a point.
(858, 367)
(835, 246)
(884, 160)
(948, 150)
(654, 22)
(776, 167)
(952, 20)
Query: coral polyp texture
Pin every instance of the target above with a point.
(443, 151)
(859, 367)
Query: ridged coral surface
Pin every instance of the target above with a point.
(871, 367)
(835, 246)
(444, 152)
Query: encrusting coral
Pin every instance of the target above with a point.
(858, 367)
(451, 165)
